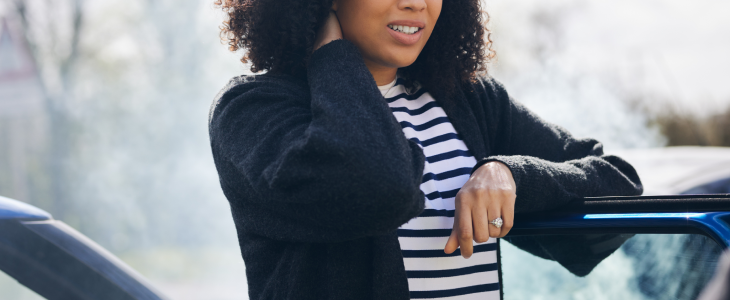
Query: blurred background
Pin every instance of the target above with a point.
(103, 110)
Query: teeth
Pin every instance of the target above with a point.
(404, 29)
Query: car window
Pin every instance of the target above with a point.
(11, 289)
(608, 266)
(721, 186)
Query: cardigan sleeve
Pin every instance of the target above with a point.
(549, 165)
(322, 161)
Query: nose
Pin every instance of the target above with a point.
(414, 5)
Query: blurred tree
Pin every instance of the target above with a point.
(52, 30)
(684, 129)
(129, 83)
(24, 135)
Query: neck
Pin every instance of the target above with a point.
(382, 74)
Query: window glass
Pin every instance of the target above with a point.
(11, 289)
(608, 266)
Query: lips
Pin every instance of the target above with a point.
(412, 23)
(407, 32)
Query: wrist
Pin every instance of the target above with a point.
(496, 171)
(492, 166)
(485, 162)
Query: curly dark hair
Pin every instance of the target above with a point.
(278, 36)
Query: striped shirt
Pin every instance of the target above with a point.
(432, 274)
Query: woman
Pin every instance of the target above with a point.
(373, 161)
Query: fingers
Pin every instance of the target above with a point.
(333, 23)
(464, 231)
(494, 211)
(453, 243)
(481, 218)
(508, 215)
(489, 194)
(330, 31)
(461, 233)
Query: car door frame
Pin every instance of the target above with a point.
(708, 215)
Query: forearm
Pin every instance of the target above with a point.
(551, 167)
(543, 185)
(335, 163)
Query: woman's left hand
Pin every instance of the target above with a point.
(489, 194)
(330, 31)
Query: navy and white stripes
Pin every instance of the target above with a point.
(433, 274)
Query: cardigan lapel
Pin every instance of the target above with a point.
(459, 112)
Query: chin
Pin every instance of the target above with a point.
(402, 61)
(391, 57)
(404, 64)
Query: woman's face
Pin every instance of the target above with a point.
(389, 33)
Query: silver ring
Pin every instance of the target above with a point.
(497, 222)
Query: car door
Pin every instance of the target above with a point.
(57, 262)
(657, 247)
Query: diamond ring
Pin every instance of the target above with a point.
(497, 222)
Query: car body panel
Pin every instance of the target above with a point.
(676, 170)
(16, 210)
(58, 262)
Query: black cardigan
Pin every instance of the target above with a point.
(319, 174)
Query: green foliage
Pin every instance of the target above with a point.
(682, 128)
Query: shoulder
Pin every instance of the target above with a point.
(487, 88)
(258, 90)
(488, 95)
